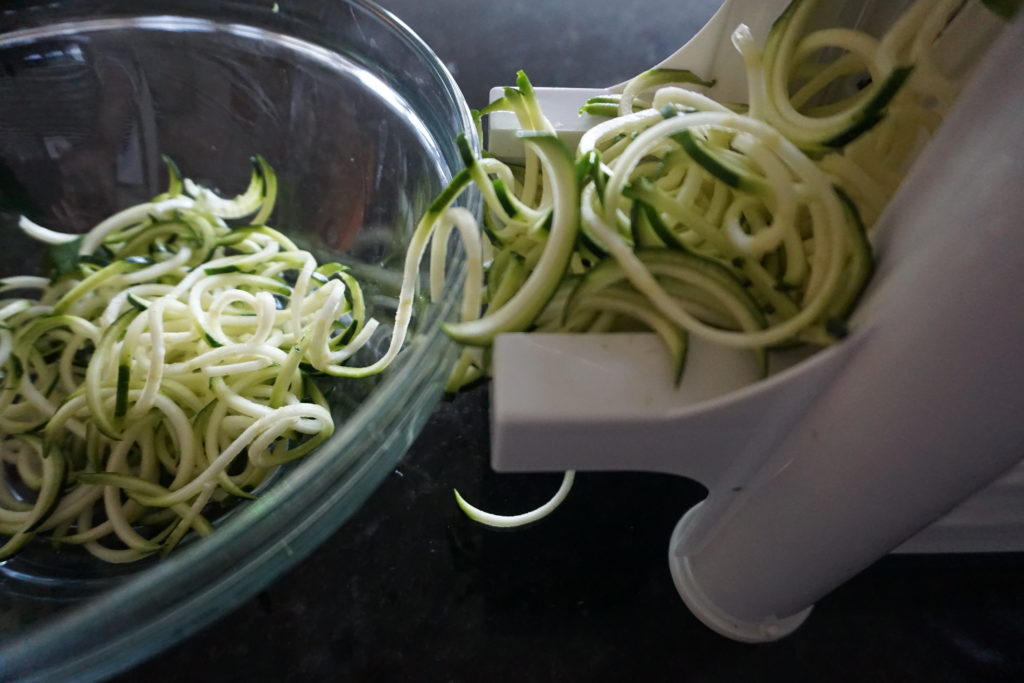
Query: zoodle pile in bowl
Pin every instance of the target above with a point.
(165, 346)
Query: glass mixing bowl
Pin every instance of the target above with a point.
(358, 117)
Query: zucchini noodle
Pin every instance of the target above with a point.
(167, 372)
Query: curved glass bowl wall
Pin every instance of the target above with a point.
(358, 117)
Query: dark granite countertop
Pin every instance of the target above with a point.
(409, 590)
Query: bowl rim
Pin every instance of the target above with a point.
(184, 604)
